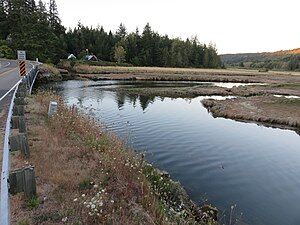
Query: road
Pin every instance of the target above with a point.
(9, 76)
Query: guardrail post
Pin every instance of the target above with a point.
(18, 122)
(20, 101)
(23, 180)
(23, 87)
(19, 142)
(19, 110)
(21, 94)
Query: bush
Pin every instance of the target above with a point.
(6, 52)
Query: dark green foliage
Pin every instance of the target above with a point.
(31, 27)
(146, 49)
(5, 50)
(33, 203)
(4, 29)
(38, 30)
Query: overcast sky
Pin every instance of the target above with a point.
(233, 25)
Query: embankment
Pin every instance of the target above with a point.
(87, 176)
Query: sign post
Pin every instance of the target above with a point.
(22, 64)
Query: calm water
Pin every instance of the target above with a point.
(227, 162)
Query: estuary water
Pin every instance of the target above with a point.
(253, 168)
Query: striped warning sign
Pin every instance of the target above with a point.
(22, 66)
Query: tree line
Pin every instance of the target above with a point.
(37, 29)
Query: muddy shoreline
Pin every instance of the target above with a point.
(245, 111)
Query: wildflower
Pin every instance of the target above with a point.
(65, 219)
(75, 200)
(95, 186)
(83, 195)
(112, 201)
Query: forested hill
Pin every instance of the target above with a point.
(37, 29)
(285, 59)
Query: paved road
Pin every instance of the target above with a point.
(9, 75)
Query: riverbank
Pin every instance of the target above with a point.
(263, 85)
(266, 110)
(178, 74)
(87, 176)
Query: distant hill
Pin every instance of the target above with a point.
(282, 60)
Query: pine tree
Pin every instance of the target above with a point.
(55, 21)
(4, 26)
(121, 32)
(59, 44)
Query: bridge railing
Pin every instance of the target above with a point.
(27, 82)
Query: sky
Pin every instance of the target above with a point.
(235, 26)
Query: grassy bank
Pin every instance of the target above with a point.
(177, 74)
(87, 176)
(267, 110)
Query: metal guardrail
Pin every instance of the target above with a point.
(29, 79)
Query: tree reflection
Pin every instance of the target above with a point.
(144, 100)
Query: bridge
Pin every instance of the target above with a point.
(10, 83)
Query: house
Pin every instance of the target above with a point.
(71, 56)
(91, 58)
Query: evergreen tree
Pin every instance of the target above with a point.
(38, 30)
(54, 20)
(121, 32)
(4, 28)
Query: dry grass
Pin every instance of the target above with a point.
(86, 176)
(183, 74)
(266, 109)
(49, 68)
(81, 68)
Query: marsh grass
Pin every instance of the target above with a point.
(89, 68)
